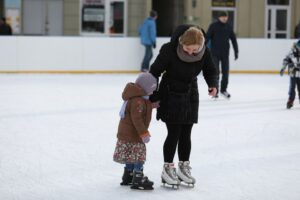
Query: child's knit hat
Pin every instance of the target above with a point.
(147, 82)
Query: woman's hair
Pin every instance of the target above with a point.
(192, 36)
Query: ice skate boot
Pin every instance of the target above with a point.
(289, 104)
(184, 173)
(127, 177)
(226, 94)
(169, 175)
(215, 97)
(141, 182)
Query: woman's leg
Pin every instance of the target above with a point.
(174, 131)
(184, 144)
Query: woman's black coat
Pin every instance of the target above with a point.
(178, 89)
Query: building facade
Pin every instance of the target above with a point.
(250, 18)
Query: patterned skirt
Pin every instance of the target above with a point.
(129, 152)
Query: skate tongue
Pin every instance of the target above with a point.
(186, 163)
(171, 165)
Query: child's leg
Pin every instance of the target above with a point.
(128, 174)
(292, 93)
(129, 166)
(298, 87)
(140, 181)
(138, 167)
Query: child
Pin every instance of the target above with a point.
(292, 61)
(133, 131)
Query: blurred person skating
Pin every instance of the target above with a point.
(5, 28)
(179, 62)
(297, 31)
(219, 33)
(292, 62)
(133, 133)
(147, 33)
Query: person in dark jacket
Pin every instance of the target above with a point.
(180, 61)
(297, 31)
(147, 33)
(5, 28)
(219, 33)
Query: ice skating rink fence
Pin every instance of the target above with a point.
(34, 54)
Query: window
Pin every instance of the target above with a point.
(116, 17)
(103, 17)
(223, 3)
(93, 16)
(13, 14)
(278, 19)
(278, 2)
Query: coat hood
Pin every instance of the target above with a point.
(132, 90)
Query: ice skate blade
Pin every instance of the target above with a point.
(188, 185)
(135, 187)
(125, 184)
(173, 186)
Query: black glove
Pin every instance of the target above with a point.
(282, 72)
(236, 56)
(154, 97)
(154, 45)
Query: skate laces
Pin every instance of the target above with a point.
(185, 168)
(171, 171)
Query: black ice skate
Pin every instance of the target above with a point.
(169, 176)
(289, 104)
(141, 182)
(226, 94)
(127, 177)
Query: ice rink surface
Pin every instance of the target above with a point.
(58, 133)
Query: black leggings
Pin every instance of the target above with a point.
(178, 134)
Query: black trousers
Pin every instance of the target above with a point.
(178, 134)
(225, 70)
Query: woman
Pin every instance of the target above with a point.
(180, 61)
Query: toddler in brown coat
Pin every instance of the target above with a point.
(133, 131)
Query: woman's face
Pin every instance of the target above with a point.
(190, 49)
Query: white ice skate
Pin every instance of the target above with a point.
(169, 175)
(184, 173)
(226, 94)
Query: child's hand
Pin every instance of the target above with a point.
(146, 137)
(155, 104)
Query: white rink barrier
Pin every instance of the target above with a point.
(35, 54)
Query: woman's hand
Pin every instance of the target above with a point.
(212, 92)
(155, 104)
